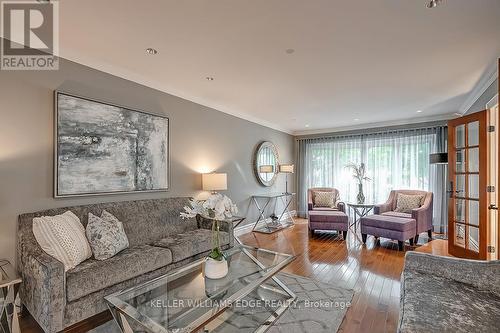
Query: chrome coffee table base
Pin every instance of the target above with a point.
(185, 301)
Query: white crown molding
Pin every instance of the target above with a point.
(446, 116)
(484, 82)
(137, 78)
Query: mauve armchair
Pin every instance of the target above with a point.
(422, 215)
(310, 202)
(325, 218)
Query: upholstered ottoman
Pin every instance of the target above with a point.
(328, 220)
(392, 227)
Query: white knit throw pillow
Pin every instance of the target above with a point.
(62, 237)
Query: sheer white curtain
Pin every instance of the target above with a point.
(394, 160)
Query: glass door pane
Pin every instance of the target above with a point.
(473, 241)
(473, 157)
(460, 136)
(473, 133)
(459, 237)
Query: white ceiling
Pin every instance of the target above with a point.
(372, 60)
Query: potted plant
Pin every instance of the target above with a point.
(218, 208)
(359, 173)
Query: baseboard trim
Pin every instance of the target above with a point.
(248, 227)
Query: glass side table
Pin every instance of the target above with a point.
(279, 223)
(359, 211)
(9, 287)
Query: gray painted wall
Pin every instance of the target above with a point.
(480, 103)
(201, 140)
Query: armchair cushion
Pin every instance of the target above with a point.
(324, 209)
(397, 214)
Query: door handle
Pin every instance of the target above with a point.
(493, 207)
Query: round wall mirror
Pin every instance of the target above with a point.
(266, 163)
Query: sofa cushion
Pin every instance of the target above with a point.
(190, 243)
(388, 222)
(93, 275)
(397, 214)
(435, 304)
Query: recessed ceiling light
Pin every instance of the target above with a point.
(307, 125)
(150, 50)
(419, 111)
(458, 114)
(209, 78)
(290, 51)
(356, 119)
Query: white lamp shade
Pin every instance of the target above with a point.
(266, 168)
(214, 181)
(287, 168)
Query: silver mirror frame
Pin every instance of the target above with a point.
(261, 146)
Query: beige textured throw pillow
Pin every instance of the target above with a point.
(62, 237)
(407, 202)
(324, 199)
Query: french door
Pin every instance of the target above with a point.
(468, 175)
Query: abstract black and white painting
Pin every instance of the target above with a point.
(103, 148)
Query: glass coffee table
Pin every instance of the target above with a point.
(249, 299)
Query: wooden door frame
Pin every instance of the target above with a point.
(481, 117)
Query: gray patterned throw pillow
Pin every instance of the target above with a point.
(106, 235)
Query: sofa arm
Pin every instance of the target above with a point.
(43, 290)
(226, 226)
(484, 275)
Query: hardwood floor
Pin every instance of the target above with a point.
(372, 271)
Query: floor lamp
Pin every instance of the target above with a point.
(441, 159)
(286, 169)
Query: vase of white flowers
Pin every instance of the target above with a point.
(218, 208)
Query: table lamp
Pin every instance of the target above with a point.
(266, 168)
(214, 182)
(286, 169)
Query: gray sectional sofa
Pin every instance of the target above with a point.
(159, 242)
(444, 294)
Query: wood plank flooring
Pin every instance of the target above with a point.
(372, 271)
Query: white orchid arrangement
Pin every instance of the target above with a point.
(217, 207)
